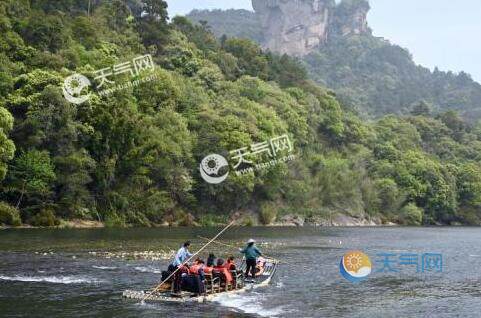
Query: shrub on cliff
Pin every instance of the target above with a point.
(411, 215)
(45, 217)
(9, 215)
(268, 213)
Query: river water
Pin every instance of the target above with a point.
(81, 273)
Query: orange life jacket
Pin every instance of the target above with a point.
(230, 266)
(194, 269)
(225, 271)
(208, 270)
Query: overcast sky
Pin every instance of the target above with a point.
(443, 33)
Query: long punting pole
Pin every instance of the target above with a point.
(220, 243)
(185, 262)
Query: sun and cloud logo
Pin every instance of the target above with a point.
(75, 89)
(214, 169)
(355, 266)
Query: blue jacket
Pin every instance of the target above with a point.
(251, 252)
(182, 255)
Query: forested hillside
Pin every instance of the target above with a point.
(234, 23)
(132, 157)
(376, 78)
(370, 74)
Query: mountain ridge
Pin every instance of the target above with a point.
(368, 73)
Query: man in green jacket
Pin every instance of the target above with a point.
(251, 253)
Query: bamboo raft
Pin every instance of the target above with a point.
(214, 287)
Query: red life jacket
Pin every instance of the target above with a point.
(230, 266)
(194, 269)
(225, 271)
(208, 270)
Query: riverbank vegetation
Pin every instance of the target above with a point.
(132, 157)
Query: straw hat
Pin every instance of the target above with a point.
(251, 241)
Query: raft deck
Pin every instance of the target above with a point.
(262, 280)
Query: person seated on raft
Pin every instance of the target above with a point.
(230, 264)
(220, 268)
(197, 268)
(232, 268)
(180, 278)
(195, 281)
(210, 264)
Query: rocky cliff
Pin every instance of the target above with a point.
(351, 18)
(296, 27)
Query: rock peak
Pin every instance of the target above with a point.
(296, 27)
(351, 17)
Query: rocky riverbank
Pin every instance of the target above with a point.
(286, 220)
(335, 220)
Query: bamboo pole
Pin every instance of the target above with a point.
(220, 243)
(185, 262)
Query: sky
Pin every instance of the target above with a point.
(442, 33)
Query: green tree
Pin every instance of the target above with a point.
(7, 148)
(31, 177)
(412, 215)
(421, 109)
(152, 24)
(250, 61)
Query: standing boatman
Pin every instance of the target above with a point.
(251, 253)
(182, 255)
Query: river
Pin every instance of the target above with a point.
(81, 273)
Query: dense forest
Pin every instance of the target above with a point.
(132, 157)
(369, 74)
